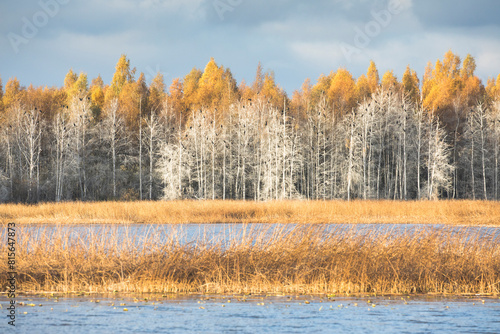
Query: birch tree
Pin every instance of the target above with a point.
(494, 126)
(80, 116)
(29, 133)
(62, 138)
(438, 161)
(114, 126)
(152, 128)
(475, 150)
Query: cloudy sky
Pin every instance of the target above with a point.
(41, 40)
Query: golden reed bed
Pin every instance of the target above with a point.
(307, 259)
(302, 259)
(174, 212)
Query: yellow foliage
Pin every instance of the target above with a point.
(123, 75)
(190, 87)
(342, 92)
(175, 97)
(156, 92)
(372, 77)
(410, 85)
(270, 91)
(389, 81)
(12, 92)
(320, 89)
(363, 90)
(448, 85)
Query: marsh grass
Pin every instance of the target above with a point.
(275, 259)
(176, 212)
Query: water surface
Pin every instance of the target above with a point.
(144, 235)
(257, 314)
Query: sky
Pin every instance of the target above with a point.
(41, 40)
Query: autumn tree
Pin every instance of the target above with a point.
(216, 87)
(133, 100)
(70, 79)
(190, 85)
(301, 100)
(496, 92)
(271, 92)
(75, 85)
(342, 92)
(245, 91)
(210, 85)
(123, 75)
(410, 85)
(157, 92)
(13, 92)
(175, 100)
(230, 93)
(320, 89)
(491, 90)
(471, 89)
(81, 85)
(258, 83)
(450, 90)
(372, 77)
(97, 96)
(389, 82)
(1, 95)
(363, 90)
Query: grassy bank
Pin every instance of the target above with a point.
(302, 259)
(174, 212)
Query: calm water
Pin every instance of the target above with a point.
(288, 314)
(212, 233)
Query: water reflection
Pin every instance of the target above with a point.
(143, 235)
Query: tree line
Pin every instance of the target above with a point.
(206, 137)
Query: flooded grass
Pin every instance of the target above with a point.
(271, 259)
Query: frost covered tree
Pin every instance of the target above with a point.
(152, 139)
(172, 156)
(494, 139)
(61, 130)
(475, 153)
(7, 155)
(80, 117)
(438, 161)
(28, 138)
(114, 126)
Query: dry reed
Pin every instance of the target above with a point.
(461, 212)
(276, 259)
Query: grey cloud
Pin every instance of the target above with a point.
(457, 13)
(296, 39)
(257, 12)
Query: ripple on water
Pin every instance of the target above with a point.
(277, 315)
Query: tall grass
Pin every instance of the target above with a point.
(174, 212)
(283, 259)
